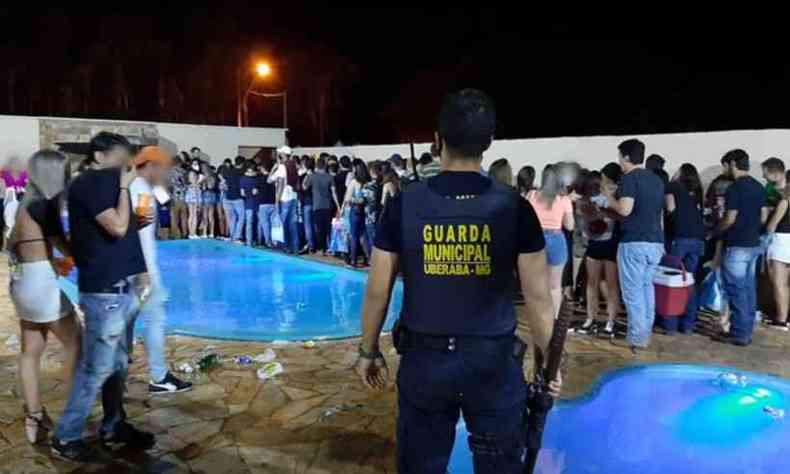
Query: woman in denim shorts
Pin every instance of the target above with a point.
(555, 212)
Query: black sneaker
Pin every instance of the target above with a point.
(779, 326)
(626, 345)
(169, 384)
(127, 435)
(726, 338)
(76, 451)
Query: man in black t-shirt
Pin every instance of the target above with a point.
(112, 283)
(640, 204)
(745, 214)
(457, 238)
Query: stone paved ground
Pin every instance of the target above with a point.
(314, 418)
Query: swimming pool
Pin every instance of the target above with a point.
(224, 291)
(661, 419)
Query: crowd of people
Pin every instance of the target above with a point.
(625, 219)
(620, 222)
(297, 204)
(113, 206)
(605, 230)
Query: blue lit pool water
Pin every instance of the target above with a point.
(225, 291)
(663, 419)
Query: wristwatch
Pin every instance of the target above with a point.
(376, 354)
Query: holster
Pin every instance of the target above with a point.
(397, 338)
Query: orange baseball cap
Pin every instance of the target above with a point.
(153, 154)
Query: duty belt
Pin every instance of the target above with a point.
(410, 340)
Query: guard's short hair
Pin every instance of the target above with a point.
(467, 121)
(737, 157)
(633, 151)
(774, 165)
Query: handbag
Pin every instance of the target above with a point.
(278, 232)
(338, 242)
(712, 296)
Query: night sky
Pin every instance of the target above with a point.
(377, 75)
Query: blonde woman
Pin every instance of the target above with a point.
(40, 304)
(555, 212)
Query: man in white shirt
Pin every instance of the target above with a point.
(286, 198)
(153, 167)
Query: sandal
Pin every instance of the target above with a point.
(777, 325)
(37, 426)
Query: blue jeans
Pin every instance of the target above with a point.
(249, 226)
(153, 315)
(637, 262)
(265, 213)
(103, 364)
(485, 383)
(691, 251)
(307, 214)
(356, 232)
(290, 225)
(370, 238)
(236, 218)
(738, 271)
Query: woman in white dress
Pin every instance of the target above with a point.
(40, 304)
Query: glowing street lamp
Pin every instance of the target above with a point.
(262, 70)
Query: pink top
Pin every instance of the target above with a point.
(550, 219)
(19, 183)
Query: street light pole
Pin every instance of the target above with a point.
(282, 95)
(262, 69)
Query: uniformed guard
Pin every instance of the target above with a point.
(457, 238)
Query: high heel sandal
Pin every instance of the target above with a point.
(37, 426)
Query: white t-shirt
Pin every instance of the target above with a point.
(148, 233)
(288, 192)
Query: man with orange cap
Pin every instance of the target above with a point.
(153, 167)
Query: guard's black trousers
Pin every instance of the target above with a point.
(486, 383)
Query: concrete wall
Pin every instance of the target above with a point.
(218, 142)
(703, 149)
(21, 136)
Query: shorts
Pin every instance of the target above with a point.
(779, 249)
(556, 248)
(193, 196)
(209, 198)
(36, 293)
(602, 250)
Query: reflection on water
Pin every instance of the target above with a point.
(226, 291)
(663, 419)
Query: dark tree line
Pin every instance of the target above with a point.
(129, 68)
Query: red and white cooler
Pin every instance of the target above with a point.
(674, 287)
